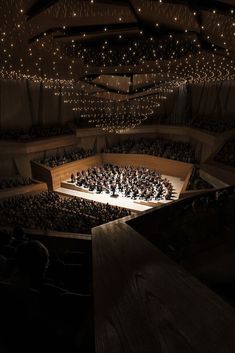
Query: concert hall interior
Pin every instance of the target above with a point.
(117, 176)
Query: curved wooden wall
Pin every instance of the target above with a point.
(54, 176)
(163, 165)
(224, 174)
(203, 141)
(12, 153)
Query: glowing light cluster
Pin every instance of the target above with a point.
(176, 51)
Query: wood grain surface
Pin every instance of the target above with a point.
(54, 176)
(163, 165)
(145, 303)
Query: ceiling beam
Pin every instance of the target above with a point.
(113, 2)
(73, 31)
(205, 5)
(38, 7)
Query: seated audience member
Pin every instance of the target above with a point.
(160, 147)
(32, 259)
(48, 211)
(72, 178)
(18, 237)
(14, 182)
(66, 157)
(35, 315)
(35, 132)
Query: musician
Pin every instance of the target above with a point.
(113, 188)
(72, 178)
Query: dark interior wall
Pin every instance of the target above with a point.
(214, 101)
(24, 103)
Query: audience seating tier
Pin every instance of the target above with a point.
(167, 130)
(36, 187)
(49, 211)
(45, 297)
(46, 144)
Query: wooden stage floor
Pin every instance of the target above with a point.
(134, 205)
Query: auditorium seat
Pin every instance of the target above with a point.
(76, 278)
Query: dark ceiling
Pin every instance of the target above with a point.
(117, 50)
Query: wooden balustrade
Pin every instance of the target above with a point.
(145, 303)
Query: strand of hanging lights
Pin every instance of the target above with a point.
(175, 59)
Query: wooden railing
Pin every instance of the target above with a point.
(145, 303)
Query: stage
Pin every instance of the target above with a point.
(69, 189)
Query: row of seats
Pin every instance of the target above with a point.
(45, 296)
(180, 151)
(38, 132)
(14, 182)
(49, 211)
(34, 133)
(65, 157)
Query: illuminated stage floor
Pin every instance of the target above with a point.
(135, 205)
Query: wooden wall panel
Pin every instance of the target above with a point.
(186, 179)
(212, 180)
(203, 142)
(11, 147)
(54, 176)
(222, 173)
(42, 173)
(64, 172)
(164, 166)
